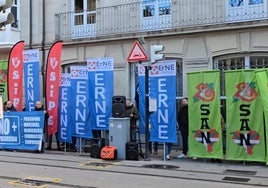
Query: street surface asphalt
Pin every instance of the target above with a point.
(55, 169)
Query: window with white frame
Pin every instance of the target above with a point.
(84, 18)
(156, 14)
(234, 62)
(237, 10)
(85, 12)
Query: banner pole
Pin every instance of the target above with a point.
(147, 157)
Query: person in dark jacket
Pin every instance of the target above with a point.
(132, 112)
(9, 107)
(40, 107)
(182, 118)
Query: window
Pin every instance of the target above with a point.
(245, 9)
(84, 18)
(14, 11)
(156, 14)
(164, 8)
(248, 61)
(156, 8)
(85, 12)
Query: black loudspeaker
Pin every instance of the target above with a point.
(96, 147)
(132, 151)
(118, 106)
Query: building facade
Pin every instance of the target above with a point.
(198, 34)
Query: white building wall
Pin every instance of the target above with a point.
(196, 48)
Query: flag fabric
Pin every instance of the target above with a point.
(31, 79)
(3, 80)
(262, 80)
(141, 91)
(100, 84)
(52, 86)
(65, 113)
(15, 75)
(205, 132)
(162, 91)
(79, 100)
(245, 139)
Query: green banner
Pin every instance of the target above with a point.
(244, 123)
(3, 79)
(205, 132)
(262, 80)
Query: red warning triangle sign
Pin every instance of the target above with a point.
(137, 53)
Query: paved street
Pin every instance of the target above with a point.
(68, 169)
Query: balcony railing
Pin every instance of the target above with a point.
(143, 17)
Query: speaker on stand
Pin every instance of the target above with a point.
(118, 106)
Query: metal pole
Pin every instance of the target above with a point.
(147, 157)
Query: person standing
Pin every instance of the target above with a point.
(39, 107)
(9, 107)
(49, 146)
(132, 112)
(182, 118)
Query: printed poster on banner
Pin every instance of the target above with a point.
(65, 113)
(245, 139)
(101, 90)
(53, 67)
(15, 75)
(23, 130)
(79, 100)
(162, 88)
(262, 80)
(31, 79)
(205, 131)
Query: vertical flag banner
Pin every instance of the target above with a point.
(262, 80)
(244, 124)
(15, 75)
(52, 86)
(3, 80)
(162, 88)
(141, 90)
(31, 78)
(100, 75)
(80, 102)
(205, 132)
(65, 113)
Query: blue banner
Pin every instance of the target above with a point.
(141, 93)
(80, 102)
(65, 113)
(31, 79)
(100, 75)
(162, 90)
(22, 130)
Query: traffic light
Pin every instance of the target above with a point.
(155, 56)
(5, 18)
